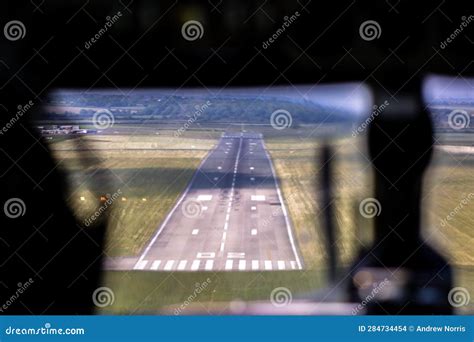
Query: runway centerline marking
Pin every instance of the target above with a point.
(231, 196)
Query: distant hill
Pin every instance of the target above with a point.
(145, 106)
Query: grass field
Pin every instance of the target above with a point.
(150, 292)
(157, 167)
(147, 173)
(449, 181)
(297, 163)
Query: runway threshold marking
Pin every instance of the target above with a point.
(229, 264)
(140, 265)
(155, 265)
(195, 265)
(182, 265)
(242, 264)
(169, 265)
(209, 265)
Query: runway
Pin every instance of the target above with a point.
(231, 217)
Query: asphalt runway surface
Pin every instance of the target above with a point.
(231, 217)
